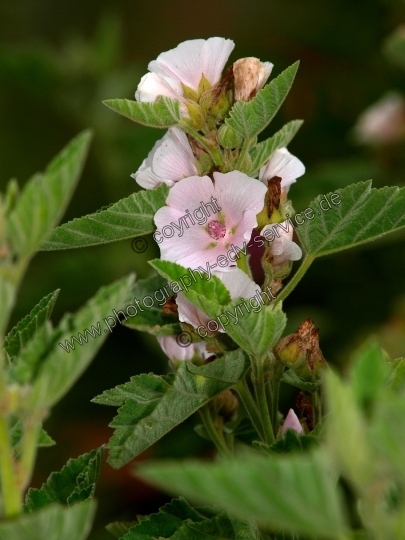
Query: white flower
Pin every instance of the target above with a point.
(283, 248)
(226, 208)
(383, 122)
(284, 165)
(177, 353)
(170, 160)
(184, 65)
(238, 284)
(250, 77)
(291, 422)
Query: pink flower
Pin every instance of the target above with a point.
(177, 353)
(223, 215)
(238, 284)
(184, 65)
(280, 237)
(383, 122)
(170, 160)
(291, 422)
(284, 165)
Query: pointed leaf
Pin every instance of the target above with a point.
(262, 152)
(60, 368)
(363, 214)
(252, 117)
(16, 435)
(293, 493)
(164, 113)
(75, 483)
(129, 217)
(20, 335)
(7, 299)
(45, 197)
(155, 406)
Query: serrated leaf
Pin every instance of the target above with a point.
(252, 117)
(76, 482)
(364, 214)
(20, 335)
(55, 521)
(155, 407)
(45, 197)
(16, 435)
(127, 218)
(290, 377)
(151, 319)
(59, 369)
(262, 152)
(396, 380)
(164, 113)
(293, 493)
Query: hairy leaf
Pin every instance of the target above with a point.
(294, 493)
(262, 152)
(20, 335)
(55, 521)
(164, 113)
(75, 483)
(45, 197)
(154, 405)
(250, 118)
(127, 218)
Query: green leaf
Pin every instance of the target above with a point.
(364, 214)
(7, 299)
(396, 380)
(45, 197)
(119, 528)
(151, 319)
(59, 369)
(75, 483)
(250, 118)
(164, 113)
(290, 377)
(127, 218)
(293, 493)
(262, 152)
(291, 442)
(16, 435)
(394, 47)
(52, 522)
(20, 335)
(256, 333)
(154, 405)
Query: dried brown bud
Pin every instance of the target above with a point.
(171, 308)
(250, 76)
(273, 194)
(227, 404)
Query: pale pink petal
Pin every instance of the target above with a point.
(284, 165)
(175, 352)
(190, 313)
(291, 422)
(152, 86)
(267, 69)
(283, 248)
(174, 159)
(187, 62)
(146, 178)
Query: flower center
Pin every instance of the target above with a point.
(216, 229)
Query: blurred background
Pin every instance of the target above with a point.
(59, 60)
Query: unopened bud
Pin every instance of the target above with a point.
(197, 115)
(250, 76)
(226, 404)
(229, 138)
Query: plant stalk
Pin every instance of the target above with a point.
(215, 436)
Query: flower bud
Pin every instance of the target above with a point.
(229, 138)
(291, 422)
(250, 76)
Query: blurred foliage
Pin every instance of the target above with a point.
(58, 61)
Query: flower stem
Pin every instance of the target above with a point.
(29, 450)
(295, 279)
(213, 151)
(260, 389)
(250, 406)
(216, 437)
(247, 143)
(10, 488)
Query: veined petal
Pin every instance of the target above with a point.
(175, 352)
(291, 422)
(174, 159)
(187, 62)
(284, 165)
(152, 86)
(283, 248)
(146, 178)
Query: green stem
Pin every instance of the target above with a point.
(10, 488)
(260, 388)
(247, 143)
(243, 264)
(215, 436)
(211, 149)
(29, 450)
(295, 279)
(277, 373)
(250, 406)
(316, 407)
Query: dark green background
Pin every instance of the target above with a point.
(59, 60)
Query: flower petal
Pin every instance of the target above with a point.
(284, 165)
(187, 62)
(173, 350)
(174, 159)
(291, 422)
(152, 86)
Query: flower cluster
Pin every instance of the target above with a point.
(200, 162)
